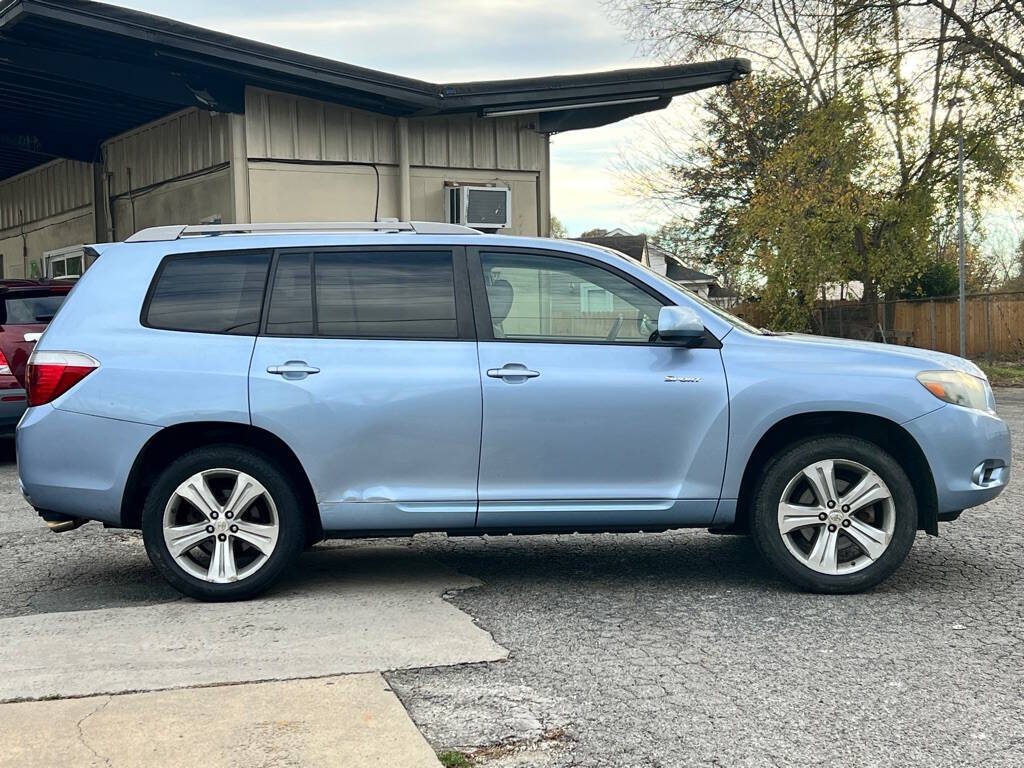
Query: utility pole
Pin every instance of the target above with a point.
(960, 224)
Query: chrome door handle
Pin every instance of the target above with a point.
(512, 371)
(293, 369)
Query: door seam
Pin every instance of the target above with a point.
(480, 446)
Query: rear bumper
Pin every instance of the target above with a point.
(77, 465)
(12, 404)
(968, 452)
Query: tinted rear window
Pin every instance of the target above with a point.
(29, 310)
(291, 302)
(400, 294)
(210, 293)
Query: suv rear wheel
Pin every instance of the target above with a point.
(222, 523)
(834, 514)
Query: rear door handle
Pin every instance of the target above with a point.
(293, 369)
(512, 371)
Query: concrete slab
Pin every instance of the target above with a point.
(353, 720)
(348, 609)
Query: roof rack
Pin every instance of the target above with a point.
(177, 231)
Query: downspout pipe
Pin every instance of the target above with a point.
(404, 183)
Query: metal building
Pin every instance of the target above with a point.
(113, 120)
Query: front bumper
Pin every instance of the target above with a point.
(77, 465)
(968, 452)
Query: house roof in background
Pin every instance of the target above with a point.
(686, 274)
(73, 73)
(631, 245)
(680, 271)
(634, 246)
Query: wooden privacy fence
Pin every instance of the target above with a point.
(995, 323)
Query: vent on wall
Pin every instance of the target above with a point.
(478, 207)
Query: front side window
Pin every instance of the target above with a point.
(536, 297)
(209, 293)
(385, 294)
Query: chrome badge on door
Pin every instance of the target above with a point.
(683, 379)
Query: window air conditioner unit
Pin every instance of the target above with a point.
(478, 207)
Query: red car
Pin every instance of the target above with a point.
(26, 307)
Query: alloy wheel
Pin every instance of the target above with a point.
(837, 516)
(221, 525)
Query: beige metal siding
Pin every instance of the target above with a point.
(22, 255)
(295, 192)
(498, 143)
(49, 190)
(284, 127)
(428, 195)
(182, 144)
(184, 201)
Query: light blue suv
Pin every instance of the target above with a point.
(239, 392)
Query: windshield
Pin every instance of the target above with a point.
(725, 315)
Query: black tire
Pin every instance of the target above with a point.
(291, 534)
(768, 492)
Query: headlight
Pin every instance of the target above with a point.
(959, 388)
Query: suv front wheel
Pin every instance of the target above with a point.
(834, 514)
(222, 523)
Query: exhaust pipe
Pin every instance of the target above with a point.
(58, 522)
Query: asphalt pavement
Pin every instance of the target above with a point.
(683, 649)
(676, 649)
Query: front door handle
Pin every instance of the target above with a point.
(293, 369)
(512, 371)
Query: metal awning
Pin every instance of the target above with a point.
(74, 73)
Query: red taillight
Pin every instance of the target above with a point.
(50, 374)
(5, 368)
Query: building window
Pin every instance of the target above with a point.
(68, 265)
(593, 298)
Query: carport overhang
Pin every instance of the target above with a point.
(75, 73)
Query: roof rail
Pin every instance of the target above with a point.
(178, 231)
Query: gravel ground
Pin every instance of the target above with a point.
(676, 649)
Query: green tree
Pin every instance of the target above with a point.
(558, 228)
(838, 160)
(938, 277)
(743, 129)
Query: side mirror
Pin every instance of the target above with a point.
(680, 325)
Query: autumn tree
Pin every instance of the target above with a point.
(558, 228)
(989, 31)
(836, 161)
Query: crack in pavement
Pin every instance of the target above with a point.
(81, 732)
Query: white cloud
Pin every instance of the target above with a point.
(429, 39)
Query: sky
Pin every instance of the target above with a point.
(455, 40)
